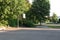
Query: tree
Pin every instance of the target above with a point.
(10, 9)
(38, 11)
(54, 18)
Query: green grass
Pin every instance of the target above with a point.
(54, 26)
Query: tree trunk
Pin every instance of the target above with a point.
(18, 21)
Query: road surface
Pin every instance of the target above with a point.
(31, 35)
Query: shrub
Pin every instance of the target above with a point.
(12, 22)
(3, 23)
(28, 23)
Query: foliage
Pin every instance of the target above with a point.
(38, 11)
(10, 9)
(28, 23)
(54, 18)
(3, 23)
(47, 21)
(59, 21)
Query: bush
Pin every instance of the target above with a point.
(28, 23)
(12, 22)
(3, 23)
(20, 22)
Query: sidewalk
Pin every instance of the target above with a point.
(14, 29)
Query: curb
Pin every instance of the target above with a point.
(15, 29)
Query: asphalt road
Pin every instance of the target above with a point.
(31, 35)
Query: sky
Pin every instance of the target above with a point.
(30, 1)
(55, 7)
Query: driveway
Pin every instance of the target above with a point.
(31, 35)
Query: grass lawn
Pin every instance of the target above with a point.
(54, 26)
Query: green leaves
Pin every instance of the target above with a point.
(9, 9)
(39, 9)
(54, 18)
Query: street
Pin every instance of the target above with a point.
(31, 35)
